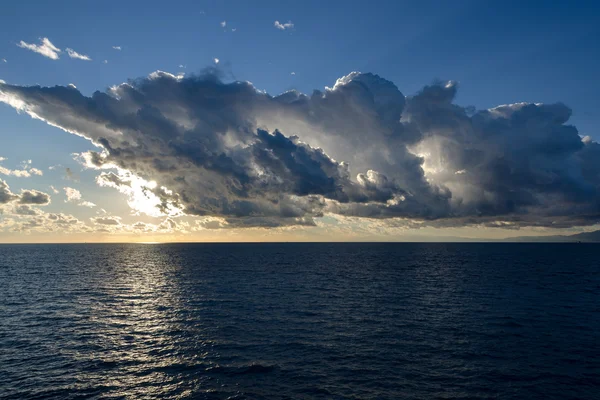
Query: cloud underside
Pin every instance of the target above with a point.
(26, 197)
(200, 146)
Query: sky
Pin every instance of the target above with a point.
(308, 121)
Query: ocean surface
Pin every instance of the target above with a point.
(300, 321)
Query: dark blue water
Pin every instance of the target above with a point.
(300, 321)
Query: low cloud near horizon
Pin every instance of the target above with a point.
(200, 146)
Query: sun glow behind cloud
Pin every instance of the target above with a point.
(422, 161)
(140, 193)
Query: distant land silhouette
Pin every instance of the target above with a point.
(585, 237)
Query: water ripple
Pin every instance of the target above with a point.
(300, 321)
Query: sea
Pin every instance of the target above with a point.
(300, 321)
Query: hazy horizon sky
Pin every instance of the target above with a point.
(309, 121)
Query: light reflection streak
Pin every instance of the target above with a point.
(138, 328)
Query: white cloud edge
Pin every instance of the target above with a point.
(46, 48)
(73, 54)
(284, 26)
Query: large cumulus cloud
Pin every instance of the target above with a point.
(201, 146)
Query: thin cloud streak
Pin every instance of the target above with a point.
(73, 54)
(46, 48)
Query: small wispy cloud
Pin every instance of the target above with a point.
(117, 48)
(4, 60)
(46, 48)
(20, 173)
(182, 66)
(284, 26)
(73, 54)
(72, 194)
(223, 24)
(293, 73)
(105, 62)
(233, 29)
(216, 60)
(26, 170)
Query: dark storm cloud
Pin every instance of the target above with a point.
(360, 148)
(34, 197)
(6, 196)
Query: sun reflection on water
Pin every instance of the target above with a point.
(139, 331)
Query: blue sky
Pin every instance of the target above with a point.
(499, 53)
